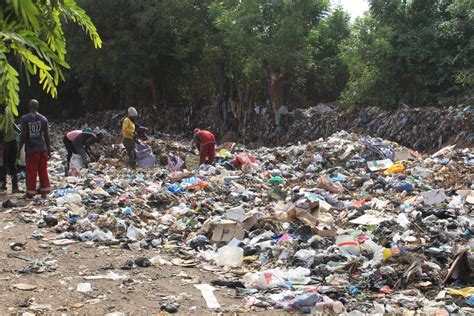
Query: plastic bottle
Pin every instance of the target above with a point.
(230, 256)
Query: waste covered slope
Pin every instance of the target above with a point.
(423, 129)
(342, 224)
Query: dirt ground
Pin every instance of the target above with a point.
(141, 292)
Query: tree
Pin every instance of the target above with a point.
(327, 74)
(267, 38)
(414, 52)
(153, 53)
(32, 36)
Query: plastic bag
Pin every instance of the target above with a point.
(265, 279)
(76, 165)
(230, 256)
(175, 163)
(70, 198)
(395, 168)
(224, 153)
(145, 157)
(464, 292)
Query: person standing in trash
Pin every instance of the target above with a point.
(7, 131)
(129, 136)
(79, 142)
(35, 137)
(206, 144)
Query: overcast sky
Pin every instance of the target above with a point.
(354, 7)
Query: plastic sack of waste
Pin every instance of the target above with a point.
(76, 165)
(70, 198)
(230, 256)
(145, 157)
(175, 163)
(265, 279)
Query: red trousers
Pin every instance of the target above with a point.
(37, 165)
(207, 151)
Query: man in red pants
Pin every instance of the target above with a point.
(206, 144)
(35, 137)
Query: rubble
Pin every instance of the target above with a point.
(323, 226)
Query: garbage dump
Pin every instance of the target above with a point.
(424, 129)
(348, 224)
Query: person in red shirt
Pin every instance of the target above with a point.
(206, 144)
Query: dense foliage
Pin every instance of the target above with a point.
(418, 52)
(32, 40)
(165, 52)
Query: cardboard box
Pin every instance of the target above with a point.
(326, 232)
(249, 222)
(225, 231)
(404, 155)
(323, 206)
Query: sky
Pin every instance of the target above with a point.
(354, 7)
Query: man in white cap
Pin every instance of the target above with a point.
(129, 136)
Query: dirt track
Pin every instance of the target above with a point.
(142, 292)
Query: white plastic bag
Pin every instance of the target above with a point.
(76, 164)
(230, 256)
(70, 198)
(265, 279)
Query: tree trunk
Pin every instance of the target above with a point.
(221, 76)
(154, 92)
(276, 90)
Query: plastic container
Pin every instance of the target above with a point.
(230, 256)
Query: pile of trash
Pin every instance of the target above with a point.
(424, 129)
(343, 224)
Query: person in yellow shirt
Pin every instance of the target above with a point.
(128, 133)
